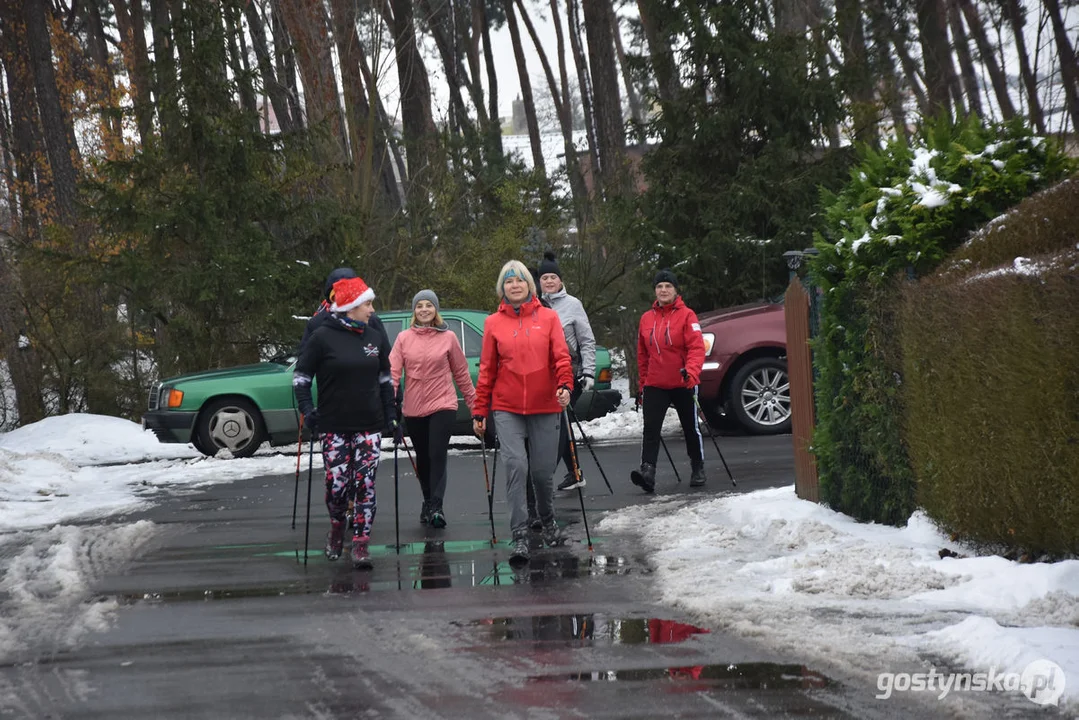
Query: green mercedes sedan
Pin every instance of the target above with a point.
(240, 408)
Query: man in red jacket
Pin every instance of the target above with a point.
(670, 354)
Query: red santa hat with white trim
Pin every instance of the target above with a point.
(349, 293)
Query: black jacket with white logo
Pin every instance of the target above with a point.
(353, 374)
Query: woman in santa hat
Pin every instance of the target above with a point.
(351, 362)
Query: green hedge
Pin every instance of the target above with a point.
(904, 209)
(991, 396)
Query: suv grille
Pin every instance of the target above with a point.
(155, 393)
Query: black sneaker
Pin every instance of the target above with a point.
(570, 482)
(645, 478)
(554, 536)
(436, 518)
(697, 479)
(519, 552)
(425, 513)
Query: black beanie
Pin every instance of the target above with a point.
(548, 265)
(665, 275)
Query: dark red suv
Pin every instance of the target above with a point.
(745, 367)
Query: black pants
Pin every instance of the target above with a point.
(563, 438)
(655, 402)
(430, 436)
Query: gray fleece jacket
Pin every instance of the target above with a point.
(579, 336)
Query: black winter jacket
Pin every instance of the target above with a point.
(352, 369)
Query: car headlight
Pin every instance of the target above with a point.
(173, 398)
(709, 342)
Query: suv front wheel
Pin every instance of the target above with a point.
(760, 396)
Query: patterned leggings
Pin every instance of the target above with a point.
(351, 460)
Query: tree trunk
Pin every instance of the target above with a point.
(859, 81)
(659, 46)
(450, 44)
(1069, 70)
(416, 118)
(308, 27)
(391, 165)
(988, 58)
(137, 61)
(936, 54)
(27, 145)
(880, 28)
(494, 131)
(565, 118)
(1016, 15)
(526, 88)
(22, 361)
(610, 133)
(53, 122)
(631, 94)
(112, 129)
(966, 63)
(166, 90)
(276, 92)
(573, 25)
(285, 60)
(910, 70)
(233, 35)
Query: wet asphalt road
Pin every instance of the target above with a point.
(219, 619)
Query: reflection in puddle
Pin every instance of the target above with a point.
(744, 676)
(614, 631)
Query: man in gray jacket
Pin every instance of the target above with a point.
(582, 347)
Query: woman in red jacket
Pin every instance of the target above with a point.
(670, 354)
(432, 360)
(525, 379)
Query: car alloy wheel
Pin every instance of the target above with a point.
(762, 396)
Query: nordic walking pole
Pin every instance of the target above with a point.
(588, 444)
(668, 452)
(396, 504)
(711, 432)
(490, 497)
(299, 454)
(577, 472)
(310, 472)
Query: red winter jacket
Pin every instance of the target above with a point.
(668, 340)
(523, 362)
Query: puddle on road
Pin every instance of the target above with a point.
(420, 566)
(596, 628)
(742, 676)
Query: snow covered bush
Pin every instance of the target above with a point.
(904, 209)
(991, 391)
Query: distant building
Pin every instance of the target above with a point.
(518, 123)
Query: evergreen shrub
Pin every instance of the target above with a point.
(991, 393)
(904, 209)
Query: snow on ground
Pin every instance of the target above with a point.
(866, 598)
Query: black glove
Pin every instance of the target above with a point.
(310, 419)
(398, 433)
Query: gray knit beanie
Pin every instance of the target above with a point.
(428, 295)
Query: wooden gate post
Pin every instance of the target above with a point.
(800, 374)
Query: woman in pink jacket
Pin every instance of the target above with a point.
(431, 359)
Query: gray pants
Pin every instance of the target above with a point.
(541, 431)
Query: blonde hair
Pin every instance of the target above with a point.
(520, 270)
(435, 322)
